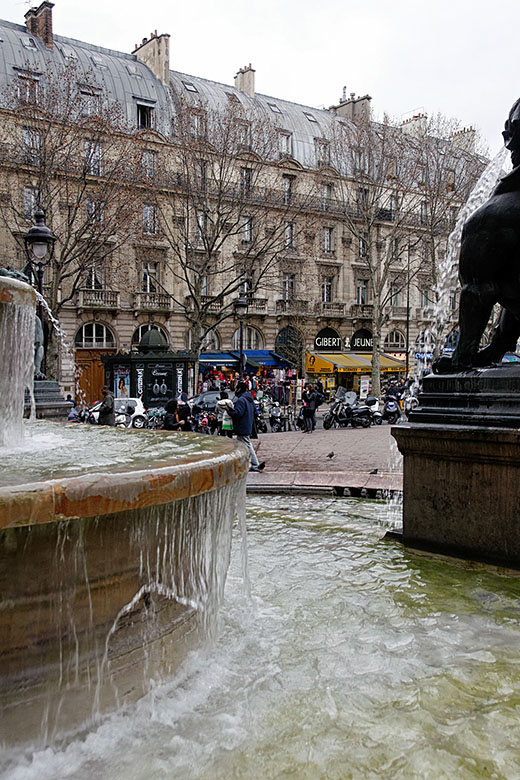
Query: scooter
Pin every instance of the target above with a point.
(376, 418)
(276, 418)
(391, 411)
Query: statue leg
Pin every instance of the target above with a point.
(504, 339)
(474, 312)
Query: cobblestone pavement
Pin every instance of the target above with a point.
(355, 449)
(364, 459)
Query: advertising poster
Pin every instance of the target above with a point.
(364, 387)
(160, 386)
(121, 381)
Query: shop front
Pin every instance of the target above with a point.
(262, 363)
(351, 370)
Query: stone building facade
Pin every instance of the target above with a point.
(317, 277)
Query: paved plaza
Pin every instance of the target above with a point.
(363, 460)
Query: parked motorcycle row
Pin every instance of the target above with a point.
(345, 410)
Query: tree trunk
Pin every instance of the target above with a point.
(376, 356)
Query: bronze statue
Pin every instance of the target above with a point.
(489, 269)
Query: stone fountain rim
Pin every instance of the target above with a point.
(94, 493)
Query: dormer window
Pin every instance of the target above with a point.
(274, 108)
(190, 87)
(310, 117)
(144, 116)
(28, 43)
(99, 62)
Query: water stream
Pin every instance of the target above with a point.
(353, 658)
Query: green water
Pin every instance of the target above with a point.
(353, 659)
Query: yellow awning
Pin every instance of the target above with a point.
(348, 362)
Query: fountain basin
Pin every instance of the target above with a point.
(108, 577)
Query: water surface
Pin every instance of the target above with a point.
(353, 659)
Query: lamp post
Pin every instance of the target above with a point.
(240, 307)
(38, 242)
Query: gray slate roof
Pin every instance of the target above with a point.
(128, 81)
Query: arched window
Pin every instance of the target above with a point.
(289, 344)
(142, 329)
(252, 339)
(395, 341)
(94, 335)
(210, 342)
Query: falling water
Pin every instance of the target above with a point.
(448, 269)
(16, 368)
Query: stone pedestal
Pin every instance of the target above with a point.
(461, 472)
(461, 488)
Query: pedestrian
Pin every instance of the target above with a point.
(107, 415)
(172, 420)
(309, 408)
(224, 421)
(243, 415)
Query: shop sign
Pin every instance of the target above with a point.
(362, 341)
(328, 340)
(424, 355)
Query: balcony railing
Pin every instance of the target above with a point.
(398, 311)
(151, 301)
(332, 308)
(97, 299)
(293, 306)
(363, 310)
(257, 305)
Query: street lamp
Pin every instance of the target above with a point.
(240, 307)
(38, 241)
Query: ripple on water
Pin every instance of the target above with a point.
(353, 659)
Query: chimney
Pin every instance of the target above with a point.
(245, 80)
(39, 22)
(416, 125)
(155, 52)
(357, 109)
(465, 139)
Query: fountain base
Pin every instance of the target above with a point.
(461, 491)
(106, 581)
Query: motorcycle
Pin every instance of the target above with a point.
(343, 413)
(277, 420)
(410, 403)
(261, 425)
(376, 418)
(156, 418)
(391, 411)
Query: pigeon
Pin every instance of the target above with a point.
(374, 471)
(330, 455)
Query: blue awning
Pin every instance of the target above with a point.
(218, 358)
(254, 358)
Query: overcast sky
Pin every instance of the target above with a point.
(460, 57)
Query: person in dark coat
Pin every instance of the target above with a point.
(173, 420)
(107, 415)
(309, 410)
(243, 415)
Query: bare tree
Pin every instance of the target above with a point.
(377, 186)
(450, 160)
(230, 214)
(81, 164)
